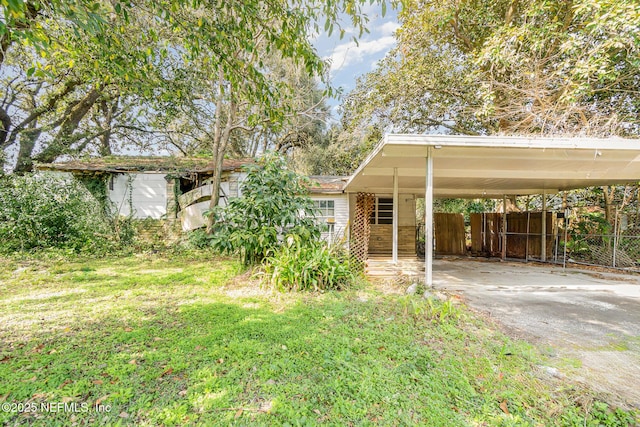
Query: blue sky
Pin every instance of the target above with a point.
(348, 60)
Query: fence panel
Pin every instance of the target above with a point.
(606, 250)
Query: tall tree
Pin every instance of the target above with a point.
(51, 91)
(173, 36)
(490, 66)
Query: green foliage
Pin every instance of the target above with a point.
(599, 414)
(341, 154)
(593, 223)
(490, 66)
(274, 204)
(97, 186)
(591, 238)
(44, 211)
(463, 206)
(418, 307)
(309, 266)
(182, 340)
(107, 70)
(198, 239)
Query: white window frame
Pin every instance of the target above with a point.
(325, 215)
(386, 208)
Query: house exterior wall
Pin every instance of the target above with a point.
(145, 195)
(381, 235)
(225, 190)
(192, 216)
(341, 215)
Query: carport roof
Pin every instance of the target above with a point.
(492, 166)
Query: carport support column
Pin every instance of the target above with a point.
(428, 221)
(504, 227)
(543, 234)
(394, 250)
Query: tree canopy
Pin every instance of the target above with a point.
(85, 74)
(507, 66)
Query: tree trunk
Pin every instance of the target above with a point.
(608, 194)
(108, 112)
(25, 154)
(215, 191)
(5, 126)
(28, 139)
(77, 113)
(512, 204)
(63, 139)
(221, 137)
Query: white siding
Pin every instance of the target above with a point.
(192, 216)
(224, 186)
(406, 210)
(148, 195)
(341, 210)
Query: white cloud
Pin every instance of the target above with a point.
(350, 53)
(371, 10)
(388, 28)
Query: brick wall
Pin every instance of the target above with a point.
(380, 240)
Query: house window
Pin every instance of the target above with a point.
(233, 187)
(382, 212)
(325, 214)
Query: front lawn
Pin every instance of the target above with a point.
(174, 340)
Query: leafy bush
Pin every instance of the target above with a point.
(302, 266)
(49, 211)
(198, 239)
(274, 204)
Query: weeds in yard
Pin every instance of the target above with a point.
(300, 265)
(178, 341)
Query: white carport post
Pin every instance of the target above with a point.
(543, 235)
(504, 227)
(394, 250)
(428, 221)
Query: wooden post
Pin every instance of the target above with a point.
(428, 221)
(395, 219)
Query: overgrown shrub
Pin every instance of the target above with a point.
(274, 203)
(50, 211)
(304, 266)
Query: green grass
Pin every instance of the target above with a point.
(183, 340)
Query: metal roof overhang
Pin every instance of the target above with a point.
(493, 166)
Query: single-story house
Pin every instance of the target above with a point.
(376, 206)
(180, 188)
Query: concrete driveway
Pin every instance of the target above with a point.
(590, 316)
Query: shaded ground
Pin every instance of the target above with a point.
(181, 339)
(589, 316)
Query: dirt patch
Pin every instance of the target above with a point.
(602, 371)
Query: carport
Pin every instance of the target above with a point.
(443, 166)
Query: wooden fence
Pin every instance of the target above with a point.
(523, 234)
(449, 234)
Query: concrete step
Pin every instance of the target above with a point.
(383, 267)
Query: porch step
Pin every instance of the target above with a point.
(385, 267)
